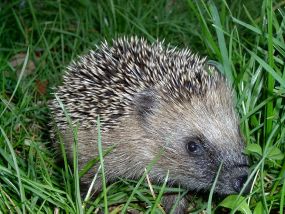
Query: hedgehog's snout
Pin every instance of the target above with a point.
(239, 182)
(234, 182)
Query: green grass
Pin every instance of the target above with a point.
(244, 39)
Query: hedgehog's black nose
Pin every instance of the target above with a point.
(239, 182)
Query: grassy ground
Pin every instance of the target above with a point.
(245, 39)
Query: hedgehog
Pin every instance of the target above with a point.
(154, 102)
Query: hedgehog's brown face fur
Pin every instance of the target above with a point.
(194, 137)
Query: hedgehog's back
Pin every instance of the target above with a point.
(105, 81)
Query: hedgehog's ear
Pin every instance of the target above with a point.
(145, 102)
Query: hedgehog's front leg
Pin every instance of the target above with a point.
(174, 201)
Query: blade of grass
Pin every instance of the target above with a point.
(158, 198)
(221, 41)
(209, 204)
(282, 198)
(270, 78)
(99, 141)
(205, 29)
(75, 157)
(18, 82)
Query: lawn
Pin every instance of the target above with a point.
(38, 39)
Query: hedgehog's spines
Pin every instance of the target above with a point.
(105, 81)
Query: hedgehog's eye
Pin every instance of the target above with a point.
(194, 148)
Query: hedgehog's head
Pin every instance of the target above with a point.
(195, 134)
